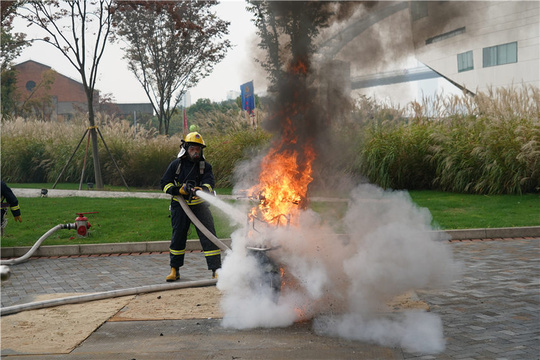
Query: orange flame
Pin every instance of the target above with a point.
(286, 169)
(299, 67)
(283, 182)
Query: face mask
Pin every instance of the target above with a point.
(194, 152)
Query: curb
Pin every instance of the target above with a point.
(195, 245)
(98, 249)
(490, 233)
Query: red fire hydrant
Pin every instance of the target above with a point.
(82, 224)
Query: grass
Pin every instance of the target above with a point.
(134, 219)
(118, 220)
(75, 186)
(38, 151)
(483, 144)
(467, 211)
(486, 144)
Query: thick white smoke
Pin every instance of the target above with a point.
(343, 281)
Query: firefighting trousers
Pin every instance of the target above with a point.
(180, 226)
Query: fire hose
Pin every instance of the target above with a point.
(114, 293)
(200, 225)
(37, 244)
(104, 295)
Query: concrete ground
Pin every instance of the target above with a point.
(492, 312)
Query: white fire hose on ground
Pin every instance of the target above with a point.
(104, 295)
(4, 268)
(114, 293)
(37, 244)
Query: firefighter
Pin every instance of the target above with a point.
(9, 200)
(188, 173)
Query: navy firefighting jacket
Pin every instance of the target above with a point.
(10, 200)
(197, 173)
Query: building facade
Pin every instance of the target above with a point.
(62, 96)
(67, 95)
(479, 44)
(401, 51)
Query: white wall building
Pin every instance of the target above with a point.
(401, 51)
(479, 44)
(232, 94)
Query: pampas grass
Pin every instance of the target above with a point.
(36, 151)
(483, 144)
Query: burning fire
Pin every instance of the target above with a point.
(287, 168)
(286, 171)
(283, 183)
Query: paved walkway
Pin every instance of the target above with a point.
(87, 274)
(492, 312)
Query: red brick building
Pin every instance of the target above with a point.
(67, 95)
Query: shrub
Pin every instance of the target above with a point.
(484, 144)
(396, 156)
(36, 151)
(226, 150)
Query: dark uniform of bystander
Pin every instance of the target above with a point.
(9, 200)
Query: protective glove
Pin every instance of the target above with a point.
(194, 190)
(184, 189)
(18, 218)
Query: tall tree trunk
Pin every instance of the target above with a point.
(94, 137)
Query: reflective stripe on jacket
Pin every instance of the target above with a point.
(189, 172)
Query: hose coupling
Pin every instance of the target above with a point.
(69, 226)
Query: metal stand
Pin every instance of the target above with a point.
(85, 155)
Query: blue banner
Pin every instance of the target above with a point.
(248, 97)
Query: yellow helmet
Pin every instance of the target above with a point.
(195, 137)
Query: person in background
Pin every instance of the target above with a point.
(185, 175)
(9, 200)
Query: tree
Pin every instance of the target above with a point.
(107, 104)
(287, 30)
(11, 45)
(9, 92)
(171, 46)
(80, 30)
(202, 105)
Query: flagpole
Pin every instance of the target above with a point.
(248, 102)
(185, 123)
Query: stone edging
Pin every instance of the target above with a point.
(194, 245)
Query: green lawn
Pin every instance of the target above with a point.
(117, 220)
(463, 211)
(134, 219)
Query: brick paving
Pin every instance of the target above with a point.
(491, 312)
(94, 273)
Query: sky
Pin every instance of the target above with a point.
(115, 78)
(237, 68)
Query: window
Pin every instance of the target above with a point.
(30, 85)
(500, 54)
(465, 61)
(446, 35)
